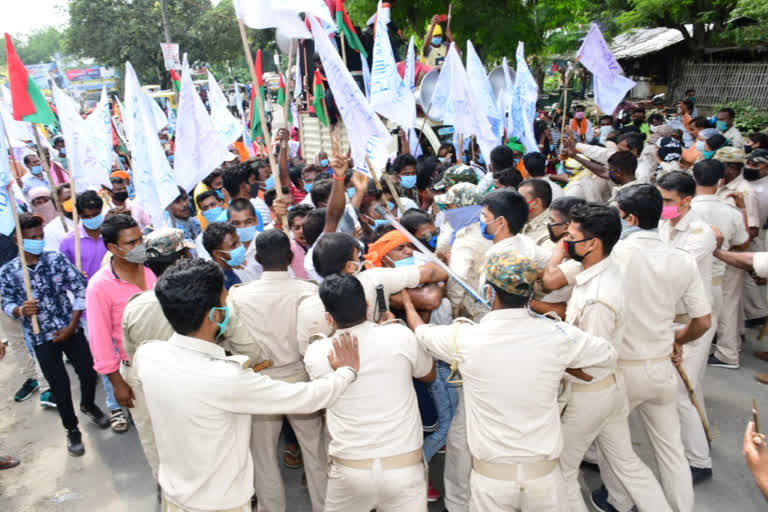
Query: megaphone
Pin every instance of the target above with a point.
(424, 96)
(498, 82)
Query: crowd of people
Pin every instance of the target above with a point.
(509, 308)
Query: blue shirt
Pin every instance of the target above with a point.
(230, 279)
(51, 278)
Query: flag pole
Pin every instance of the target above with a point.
(17, 176)
(75, 217)
(22, 256)
(288, 96)
(262, 120)
(373, 173)
(343, 50)
(47, 170)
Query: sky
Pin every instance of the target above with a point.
(23, 17)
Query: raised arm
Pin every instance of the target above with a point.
(337, 201)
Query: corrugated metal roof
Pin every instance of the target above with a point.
(642, 41)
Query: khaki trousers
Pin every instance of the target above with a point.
(386, 490)
(728, 325)
(652, 390)
(544, 494)
(601, 417)
(458, 461)
(141, 419)
(754, 295)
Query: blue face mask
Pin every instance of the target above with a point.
(34, 246)
(324, 163)
(63, 151)
(484, 229)
(442, 159)
(405, 262)
(437, 41)
(379, 222)
(351, 192)
(408, 182)
(390, 205)
(213, 214)
(247, 234)
(223, 324)
(219, 194)
(464, 159)
(236, 256)
(93, 222)
(36, 169)
(480, 160)
(721, 126)
(708, 154)
(307, 187)
(270, 183)
(700, 145)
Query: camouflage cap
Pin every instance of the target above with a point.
(729, 154)
(758, 156)
(165, 242)
(511, 272)
(461, 194)
(460, 173)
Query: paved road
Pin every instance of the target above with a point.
(114, 477)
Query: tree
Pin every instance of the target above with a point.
(38, 47)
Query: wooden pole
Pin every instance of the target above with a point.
(264, 130)
(343, 50)
(16, 175)
(373, 173)
(288, 94)
(22, 256)
(47, 170)
(694, 401)
(394, 193)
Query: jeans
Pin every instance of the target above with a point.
(49, 355)
(109, 392)
(446, 399)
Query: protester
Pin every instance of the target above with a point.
(435, 47)
(119, 199)
(56, 230)
(41, 204)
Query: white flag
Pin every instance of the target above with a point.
(226, 124)
(297, 75)
(368, 137)
(506, 96)
(526, 94)
(7, 224)
(610, 84)
(152, 175)
(282, 15)
(390, 95)
(440, 105)
(158, 116)
(199, 147)
(245, 130)
(483, 92)
(409, 77)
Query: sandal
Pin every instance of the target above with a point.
(118, 422)
(9, 461)
(292, 458)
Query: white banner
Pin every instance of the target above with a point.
(171, 55)
(226, 124)
(483, 92)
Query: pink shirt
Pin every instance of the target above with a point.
(105, 299)
(297, 263)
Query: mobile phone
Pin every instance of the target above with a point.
(755, 416)
(380, 301)
(442, 18)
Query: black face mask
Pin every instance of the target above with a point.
(751, 174)
(748, 149)
(552, 232)
(571, 246)
(255, 190)
(120, 196)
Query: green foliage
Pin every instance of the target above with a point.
(748, 118)
(37, 47)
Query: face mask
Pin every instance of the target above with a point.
(747, 149)
(404, 262)
(236, 256)
(390, 205)
(219, 193)
(408, 182)
(120, 196)
(579, 115)
(324, 163)
(670, 212)
(627, 230)
(136, 255)
(692, 99)
(358, 267)
(170, 159)
(379, 222)
(36, 169)
(93, 222)
(63, 151)
(751, 174)
(247, 234)
(223, 324)
(351, 192)
(307, 187)
(652, 128)
(484, 229)
(67, 205)
(605, 131)
(442, 159)
(551, 231)
(480, 160)
(721, 126)
(570, 245)
(437, 41)
(708, 154)
(213, 214)
(700, 146)
(34, 246)
(612, 176)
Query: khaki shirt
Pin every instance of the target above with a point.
(311, 318)
(143, 320)
(618, 188)
(586, 185)
(262, 322)
(378, 416)
(512, 363)
(655, 278)
(596, 306)
(739, 184)
(697, 239)
(557, 190)
(201, 403)
(734, 135)
(536, 228)
(728, 220)
(467, 261)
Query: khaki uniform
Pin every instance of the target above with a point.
(263, 327)
(656, 277)
(513, 421)
(730, 221)
(618, 188)
(557, 190)
(586, 185)
(754, 302)
(760, 264)
(536, 228)
(375, 427)
(467, 261)
(597, 411)
(201, 404)
(311, 320)
(143, 320)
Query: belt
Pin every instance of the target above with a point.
(394, 462)
(597, 386)
(682, 319)
(514, 472)
(642, 362)
(717, 281)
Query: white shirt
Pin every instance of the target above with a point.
(760, 187)
(252, 269)
(378, 415)
(728, 220)
(739, 184)
(53, 232)
(697, 239)
(30, 181)
(201, 404)
(512, 363)
(656, 277)
(734, 135)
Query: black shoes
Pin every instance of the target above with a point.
(75, 443)
(700, 474)
(96, 414)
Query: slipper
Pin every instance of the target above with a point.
(118, 422)
(9, 461)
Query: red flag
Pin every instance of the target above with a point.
(27, 101)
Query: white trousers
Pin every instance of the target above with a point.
(601, 417)
(544, 494)
(728, 323)
(386, 490)
(458, 461)
(141, 419)
(652, 391)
